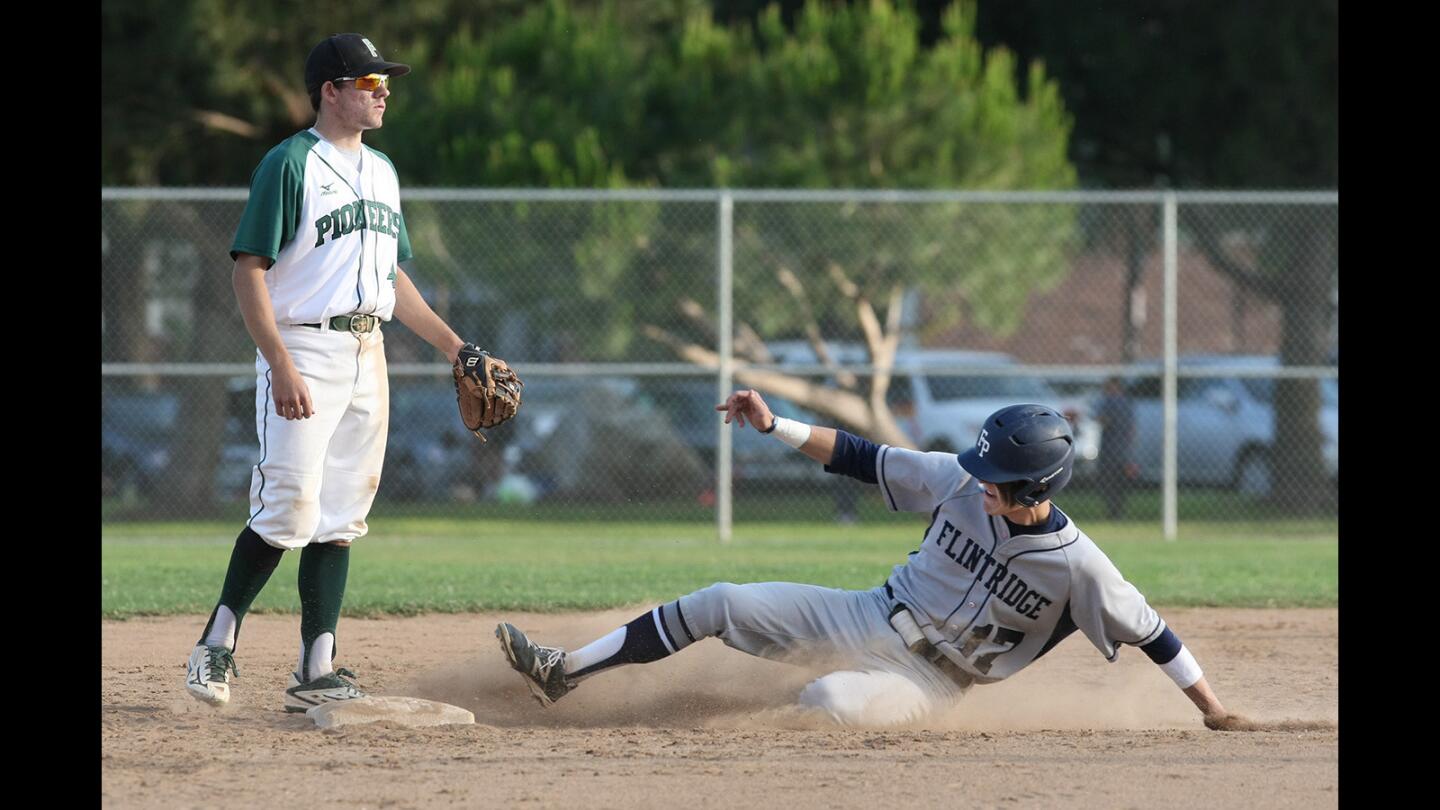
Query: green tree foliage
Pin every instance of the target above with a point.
(1227, 94)
(194, 92)
(567, 93)
(1224, 94)
(568, 97)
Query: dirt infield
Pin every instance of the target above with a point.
(711, 727)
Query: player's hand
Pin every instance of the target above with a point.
(291, 394)
(747, 405)
(1229, 721)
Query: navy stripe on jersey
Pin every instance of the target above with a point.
(1006, 563)
(934, 516)
(1063, 628)
(1140, 641)
(853, 456)
(994, 542)
(1163, 649)
(885, 486)
(264, 451)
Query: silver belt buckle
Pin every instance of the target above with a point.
(355, 322)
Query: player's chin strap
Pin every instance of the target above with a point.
(925, 640)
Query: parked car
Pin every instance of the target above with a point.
(689, 405)
(138, 432)
(601, 439)
(946, 411)
(943, 411)
(1226, 425)
(240, 449)
(429, 455)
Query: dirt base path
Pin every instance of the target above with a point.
(712, 727)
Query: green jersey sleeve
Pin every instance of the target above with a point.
(403, 254)
(277, 192)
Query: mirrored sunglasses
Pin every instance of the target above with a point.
(369, 83)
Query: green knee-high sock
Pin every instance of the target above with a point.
(251, 564)
(323, 569)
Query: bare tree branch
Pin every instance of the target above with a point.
(869, 413)
(747, 340)
(843, 406)
(883, 355)
(847, 287)
(749, 343)
(226, 123)
(297, 104)
(792, 284)
(692, 310)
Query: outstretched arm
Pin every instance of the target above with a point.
(1180, 665)
(1216, 718)
(748, 406)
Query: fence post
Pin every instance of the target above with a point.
(1169, 475)
(724, 515)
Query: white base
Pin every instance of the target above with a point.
(406, 711)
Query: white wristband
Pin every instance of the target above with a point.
(790, 431)
(1183, 669)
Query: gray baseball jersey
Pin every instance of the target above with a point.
(999, 602)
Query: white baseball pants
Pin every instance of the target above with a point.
(317, 477)
(877, 680)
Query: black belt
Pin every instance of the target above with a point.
(949, 668)
(357, 324)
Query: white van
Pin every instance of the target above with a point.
(942, 398)
(944, 409)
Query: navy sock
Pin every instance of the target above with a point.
(643, 640)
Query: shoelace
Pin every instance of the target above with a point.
(552, 657)
(344, 673)
(220, 660)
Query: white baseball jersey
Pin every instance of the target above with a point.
(1000, 602)
(335, 232)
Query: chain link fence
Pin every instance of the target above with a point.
(1191, 337)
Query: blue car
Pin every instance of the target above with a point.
(1226, 426)
(138, 435)
(135, 435)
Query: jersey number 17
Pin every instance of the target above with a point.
(1006, 637)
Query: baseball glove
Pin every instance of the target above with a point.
(486, 388)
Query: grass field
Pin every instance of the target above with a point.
(412, 565)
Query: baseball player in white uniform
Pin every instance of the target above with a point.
(1001, 577)
(316, 274)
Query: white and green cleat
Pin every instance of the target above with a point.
(332, 687)
(207, 674)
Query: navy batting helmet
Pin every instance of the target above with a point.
(1031, 444)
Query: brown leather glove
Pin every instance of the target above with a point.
(486, 389)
